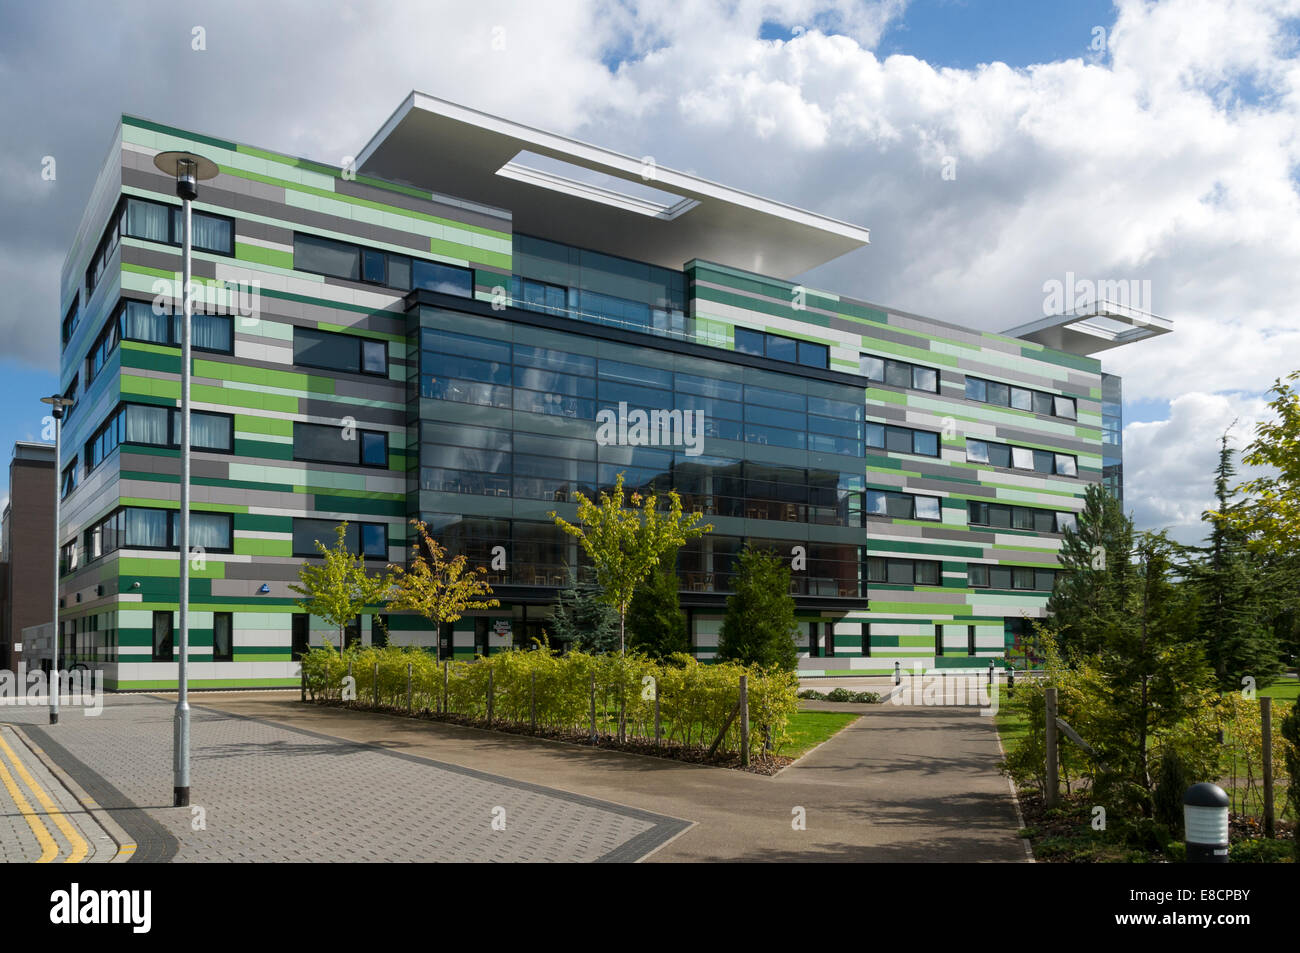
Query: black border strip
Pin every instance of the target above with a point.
(154, 843)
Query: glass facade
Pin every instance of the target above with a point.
(589, 285)
(514, 419)
(1112, 435)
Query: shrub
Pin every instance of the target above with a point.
(695, 700)
(839, 694)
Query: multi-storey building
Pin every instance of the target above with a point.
(26, 558)
(442, 331)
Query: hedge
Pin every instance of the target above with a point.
(695, 700)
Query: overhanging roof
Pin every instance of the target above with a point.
(1098, 327)
(587, 196)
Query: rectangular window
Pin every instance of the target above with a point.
(138, 321)
(970, 640)
(301, 635)
(977, 577)
(368, 539)
(332, 444)
(162, 637)
(938, 640)
(324, 256)
(1020, 398)
(866, 639)
(71, 319)
(223, 637)
(339, 352)
(749, 342)
(898, 373)
(69, 481)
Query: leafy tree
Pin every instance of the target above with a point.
(340, 588)
(625, 543)
(656, 624)
(1233, 608)
(759, 627)
(583, 618)
(1092, 593)
(1270, 517)
(438, 588)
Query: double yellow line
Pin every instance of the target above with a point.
(49, 847)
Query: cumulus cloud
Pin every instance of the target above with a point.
(1169, 464)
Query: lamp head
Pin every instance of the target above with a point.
(188, 169)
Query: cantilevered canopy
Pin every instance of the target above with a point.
(572, 192)
(1099, 327)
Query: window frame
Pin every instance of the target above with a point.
(985, 385)
(361, 526)
(358, 339)
(230, 655)
(362, 433)
(890, 363)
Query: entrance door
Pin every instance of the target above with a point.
(814, 641)
(481, 646)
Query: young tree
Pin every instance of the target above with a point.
(759, 627)
(1092, 593)
(340, 588)
(438, 588)
(1233, 612)
(1145, 679)
(626, 542)
(656, 623)
(584, 619)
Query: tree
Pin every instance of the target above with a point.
(759, 627)
(438, 588)
(1092, 593)
(582, 617)
(656, 623)
(1233, 608)
(625, 543)
(340, 588)
(1270, 517)
(1145, 679)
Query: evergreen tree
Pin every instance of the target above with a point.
(1091, 595)
(584, 619)
(759, 627)
(1234, 611)
(656, 623)
(1145, 678)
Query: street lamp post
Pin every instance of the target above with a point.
(58, 404)
(188, 170)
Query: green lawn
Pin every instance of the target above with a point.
(808, 729)
(1011, 726)
(1283, 689)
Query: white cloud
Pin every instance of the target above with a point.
(1169, 464)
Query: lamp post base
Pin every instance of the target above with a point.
(180, 797)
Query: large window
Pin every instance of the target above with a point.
(159, 222)
(981, 576)
(153, 426)
(339, 352)
(1020, 458)
(208, 332)
(904, 506)
(478, 370)
(886, 370)
(778, 348)
(1006, 516)
(326, 256)
(904, 572)
(902, 440)
(323, 443)
(367, 539)
(1020, 398)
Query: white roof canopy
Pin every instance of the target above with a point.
(579, 194)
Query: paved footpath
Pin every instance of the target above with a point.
(279, 780)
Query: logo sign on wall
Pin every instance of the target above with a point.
(502, 627)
